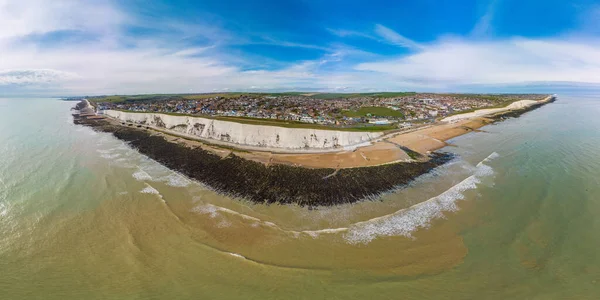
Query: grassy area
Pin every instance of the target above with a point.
(283, 123)
(374, 111)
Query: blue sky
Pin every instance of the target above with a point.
(118, 47)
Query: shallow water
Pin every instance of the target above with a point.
(84, 216)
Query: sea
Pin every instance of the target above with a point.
(513, 216)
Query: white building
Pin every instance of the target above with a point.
(379, 121)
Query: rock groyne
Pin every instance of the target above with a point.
(257, 182)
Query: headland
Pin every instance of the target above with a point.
(293, 164)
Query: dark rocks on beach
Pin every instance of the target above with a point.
(239, 177)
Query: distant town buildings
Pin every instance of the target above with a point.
(342, 111)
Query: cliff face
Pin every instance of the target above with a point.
(246, 134)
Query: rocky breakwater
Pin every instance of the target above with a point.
(248, 136)
(276, 183)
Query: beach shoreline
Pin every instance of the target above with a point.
(310, 179)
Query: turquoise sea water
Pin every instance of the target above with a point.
(83, 216)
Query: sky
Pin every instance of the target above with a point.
(91, 47)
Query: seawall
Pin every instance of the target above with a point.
(257, 182)
(240, 135)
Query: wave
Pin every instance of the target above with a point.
(400, 223)
(405, 221)
(176, 180)
(490, 157)
(141, 175)
(149, 190)
(207, 209)
(236, 255)
(212, 211)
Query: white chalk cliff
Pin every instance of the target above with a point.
(238, 134)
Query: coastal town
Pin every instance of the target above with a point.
(336, 110)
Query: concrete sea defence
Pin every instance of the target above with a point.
(240, 135)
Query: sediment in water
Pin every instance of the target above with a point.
(275, 183)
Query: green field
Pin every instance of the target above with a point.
(373, 111)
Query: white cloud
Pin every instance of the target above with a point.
(21, 18)
(347, 33)
(484, 25)
(395, 38)
(454, 62)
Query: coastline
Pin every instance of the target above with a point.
(321, 179)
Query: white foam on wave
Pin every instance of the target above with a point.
(400, 223)
(490, 157)
(208, 209)
(149, 190)
(141, 175)
(213, 210)
(176, 180)
(110, 156)
(316, 233)
(406, 221)
(236, 255)
(3, 210)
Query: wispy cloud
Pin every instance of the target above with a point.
(395, 38)
(483, 27)
(349, 33)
